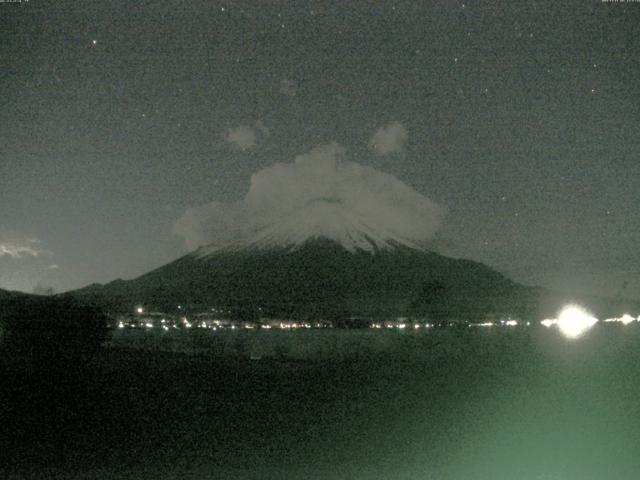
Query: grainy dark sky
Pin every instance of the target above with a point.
(521, 118)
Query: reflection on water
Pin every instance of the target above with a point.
(496, 403)
(475, 403)
(313, 342)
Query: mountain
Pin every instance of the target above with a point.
(322, 218)
(11, 295)
(47, 329)
(321, 278)
(325, 261)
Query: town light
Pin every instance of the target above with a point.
(574, 321)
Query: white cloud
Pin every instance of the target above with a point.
(389, 139)
(214, 222)
(17, 245)
(295, 190)
(247, 137)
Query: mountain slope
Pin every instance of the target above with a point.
(321, 278)
(11, 295)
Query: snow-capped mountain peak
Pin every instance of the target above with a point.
(321, 218)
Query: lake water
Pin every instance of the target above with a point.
(498, 403)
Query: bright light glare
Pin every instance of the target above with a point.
(573, 321)
(548, 322)
(626, 319)
(511, 323)
(484, 324)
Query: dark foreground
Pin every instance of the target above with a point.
(519, 404)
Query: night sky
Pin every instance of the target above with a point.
(521, 119)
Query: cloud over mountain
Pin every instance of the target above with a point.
(319, 193)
